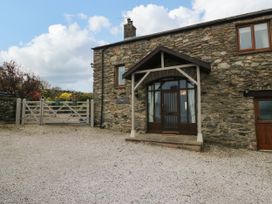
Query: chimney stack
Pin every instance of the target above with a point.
(129, 29)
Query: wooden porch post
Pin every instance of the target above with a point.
(41, 111)
(132, 106)
(92, 113)
(18, 111)
(199, 122)
(23, 111)
(162, 59)
(88, 112)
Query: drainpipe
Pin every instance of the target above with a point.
(102, 88)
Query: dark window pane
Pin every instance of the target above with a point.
(182, 84)
(261, 36)
(157, 86)
(190, 85)
(245, 38)
(265, 108)
(183, 106)
(170, 85)
(158, 106)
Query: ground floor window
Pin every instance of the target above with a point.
(172, 105)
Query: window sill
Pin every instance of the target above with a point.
(120, 87)
(246, 52)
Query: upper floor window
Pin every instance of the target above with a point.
(119, 80)
(254, 37)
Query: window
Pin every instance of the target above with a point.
(183, 92)
(245, 38)
(265, 110)
(119, 80)
(254, 37)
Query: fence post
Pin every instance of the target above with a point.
(41, 112)
(88, 112)
(92, 113)
(23, 111)
(18, 111)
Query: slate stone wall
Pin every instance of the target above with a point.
(227, 116)
(7, 109)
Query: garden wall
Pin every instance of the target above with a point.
(7, 108)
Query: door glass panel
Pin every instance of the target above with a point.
(190, 85)
(170, 110)
(191, 106)
(171, 102)
(158, 106)
(150, 107)
(261, 35)
(170, 85)
(265, 110)
(157, 86)
(182, 84)
(245, 38)
(183, 106)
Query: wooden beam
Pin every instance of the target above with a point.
(88, 111)
(165, 68)
(142, 79)
(162, 60)
(132, 106)
(23, 111)
(18, 111)
(199, 122)
(41, 111)
(92, 113)
(187, 76)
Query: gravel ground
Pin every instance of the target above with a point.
(53, 164)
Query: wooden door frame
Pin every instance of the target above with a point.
(191, 128)
(257, 112)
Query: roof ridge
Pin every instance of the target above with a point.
(190, 27)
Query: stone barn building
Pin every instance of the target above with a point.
(208, 82)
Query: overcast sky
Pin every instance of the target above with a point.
(53, 38)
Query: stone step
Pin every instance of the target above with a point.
(177, 141)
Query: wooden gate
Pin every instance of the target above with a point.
(57, 112)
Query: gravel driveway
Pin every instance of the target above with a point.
(52, 164)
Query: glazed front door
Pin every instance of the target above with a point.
(263, 110)
(171, 107)
(170, 111)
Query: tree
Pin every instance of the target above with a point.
(14, 81)
(31, 87)
(11, 78)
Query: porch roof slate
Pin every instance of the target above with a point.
(204, 66)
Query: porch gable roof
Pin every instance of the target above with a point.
(148, 59)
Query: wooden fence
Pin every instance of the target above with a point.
(54, 112)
